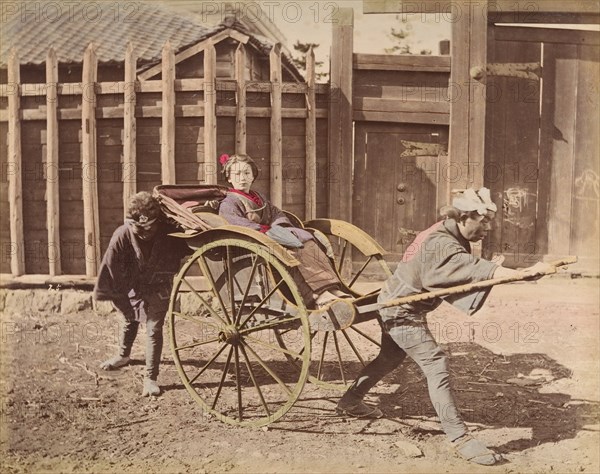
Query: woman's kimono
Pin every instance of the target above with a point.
(315, 274)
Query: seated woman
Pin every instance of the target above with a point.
(316, 279)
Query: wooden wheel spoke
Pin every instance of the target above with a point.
(207, 365)
(362, 269)
(273, 347)
(238, 316)
(268, 369)
(342, 257)
(353, 347)
(196, 344)
(223, 375)
(339, 356)
(268, 325)
(230, 289)
(204, 302)
(256, 384)
(322, 355)
(238, 382)
(366, 336)
(262, 302)
(195, 320)
(211, 280)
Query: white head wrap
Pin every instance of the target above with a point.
(472, 200)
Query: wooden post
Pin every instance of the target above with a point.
(129, 128)
(311, 139)
(15, 186)
(467, 96)
(276, 175)
(89, 162)
(240, 77)
(210, 118)
(340, 117)
(52, 165)
(167, 147)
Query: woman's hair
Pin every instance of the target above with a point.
(239, 158)
(143, 204)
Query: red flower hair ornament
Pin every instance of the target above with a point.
(223, 159)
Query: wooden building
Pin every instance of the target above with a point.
(520, 115)
(383, 145)
(84, 125)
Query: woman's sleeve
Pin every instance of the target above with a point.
(234, 213)
(278, 217)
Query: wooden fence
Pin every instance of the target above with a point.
(77, 151)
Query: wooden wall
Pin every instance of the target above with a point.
(100, 168)
(401, 114)
(542, 147)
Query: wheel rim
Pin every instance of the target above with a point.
(222, 339)
(355, 275)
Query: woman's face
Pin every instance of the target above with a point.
(241, 176)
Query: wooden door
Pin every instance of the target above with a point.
(542, 143)
(397, 172)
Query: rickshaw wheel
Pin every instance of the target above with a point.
(222, 336)
(339, 356)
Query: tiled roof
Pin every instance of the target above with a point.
(69, 27)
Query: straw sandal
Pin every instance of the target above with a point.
(114, 363)
(475, 451)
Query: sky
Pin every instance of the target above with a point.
(311, 22)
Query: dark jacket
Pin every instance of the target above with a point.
(126, 277)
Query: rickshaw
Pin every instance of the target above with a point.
(242, 339)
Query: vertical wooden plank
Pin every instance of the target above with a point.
(89, 162)
(585, 232)
(129, 127)
(512, 155)
(52, 184)
(210, 118)
(240, 77)
(15, 191)
(478, 32)
(494, 155)
(558, 135)
(467, 96)
(310, 187)
(458, 147)
(276, 175)
(340, 116)
(167, 148)
(521, 158)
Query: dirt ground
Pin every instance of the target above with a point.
(525, 372)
